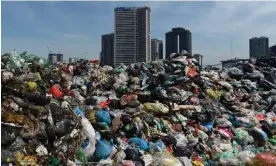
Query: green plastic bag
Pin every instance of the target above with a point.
(80, 155)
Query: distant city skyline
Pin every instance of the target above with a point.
(76, 27)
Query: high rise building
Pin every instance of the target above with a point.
(156, 49)
(273, 50)
(177, 40)
(58, 57)
(132, 35)
(52, 59)
(73, 59)
(258, 47)
(199, 58)
(107, 53)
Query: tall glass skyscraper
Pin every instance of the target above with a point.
(132, 31)
(107, 53)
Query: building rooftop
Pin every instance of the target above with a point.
(130, 8)
(261, 37)
(234, 60)
(179, 29)
(198, 55)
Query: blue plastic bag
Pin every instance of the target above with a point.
(79, 112)
(209, 126)
(158, 146)
(103, 150)
(103, 116)
(141, 144)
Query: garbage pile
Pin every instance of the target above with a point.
(168, 112)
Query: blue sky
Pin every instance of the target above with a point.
(74, 28)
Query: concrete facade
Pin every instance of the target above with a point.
(132, 30)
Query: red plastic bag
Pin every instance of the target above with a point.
(94, 61)
(55, 92)
(104, 104)
(267, 159)
(260, 117)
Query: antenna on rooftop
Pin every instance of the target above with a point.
(49, 49)
(231, 50)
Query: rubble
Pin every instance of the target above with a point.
(167, 112)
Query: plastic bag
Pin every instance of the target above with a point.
(228, 158)
(79, 112)
(25, 160)
(185, 161)
(242, 135)
(103, 116)
(89, 131)
(245, 156)
(192, 72)
(156, 108)
(214, 94)
(139, 143)
(165, 159)
(157, 146)
(267, 159)
(119, 156)
(181, 140)
(147, 158)
(78, 81)
(6, 75)
(32, 86)
(15, 61)
(127, 163)
(55, 92)
(103, 150)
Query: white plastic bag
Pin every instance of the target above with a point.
(89, 131)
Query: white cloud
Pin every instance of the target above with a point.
(225, 21)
